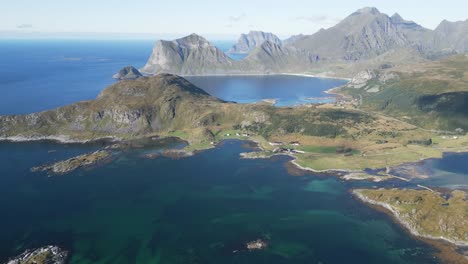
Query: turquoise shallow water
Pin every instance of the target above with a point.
(193, 210)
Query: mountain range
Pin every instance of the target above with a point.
(365, 39)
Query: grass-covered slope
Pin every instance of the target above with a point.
(424, 212)
(433, 95)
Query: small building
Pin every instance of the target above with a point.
(275, 143)
(298, 151)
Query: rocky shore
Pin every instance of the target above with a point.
(74, 163)
(59, 138)
(414, 228)
(44, 255)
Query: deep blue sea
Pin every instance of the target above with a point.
(37, 75)
(201, 209)
(286, 90)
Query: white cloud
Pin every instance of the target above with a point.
(318, 19)
(237, 18)
(22, 26)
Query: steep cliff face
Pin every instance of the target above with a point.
(274, 58)
(189, 55)
(252, 40)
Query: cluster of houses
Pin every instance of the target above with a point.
(449, 137)
(292, 143)
(288, 151)
(238, 135)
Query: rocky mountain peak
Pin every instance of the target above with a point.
(367, 10)
(248, 42)
(188, 55)
(193, 41)
(396, 18)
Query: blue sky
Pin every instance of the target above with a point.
(218, 19)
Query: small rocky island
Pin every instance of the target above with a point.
(128, 73)
(258, 244)
(44, 255)
(69, 165)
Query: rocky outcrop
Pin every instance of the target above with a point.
(252, 40)
(74, 163)
(361, 79)
(44, 255)
(452, 36)
(127, 73)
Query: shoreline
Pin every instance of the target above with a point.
(389, 210)
(260, 74)
(62, 139)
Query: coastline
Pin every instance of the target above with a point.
(63, 139)
(396, 215)
(319, 76)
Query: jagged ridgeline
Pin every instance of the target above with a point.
(164, 103)
(249, 42)
(365, 39)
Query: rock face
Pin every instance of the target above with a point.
(361, 79)
(452, 36)
(44, 255)
(127, 73)
(364, 34)
(292, 39)
(189, 55)
(252, 40)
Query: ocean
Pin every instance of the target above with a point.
(200, 209)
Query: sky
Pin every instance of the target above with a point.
(215, 19)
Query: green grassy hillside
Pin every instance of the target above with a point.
(433, 95)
